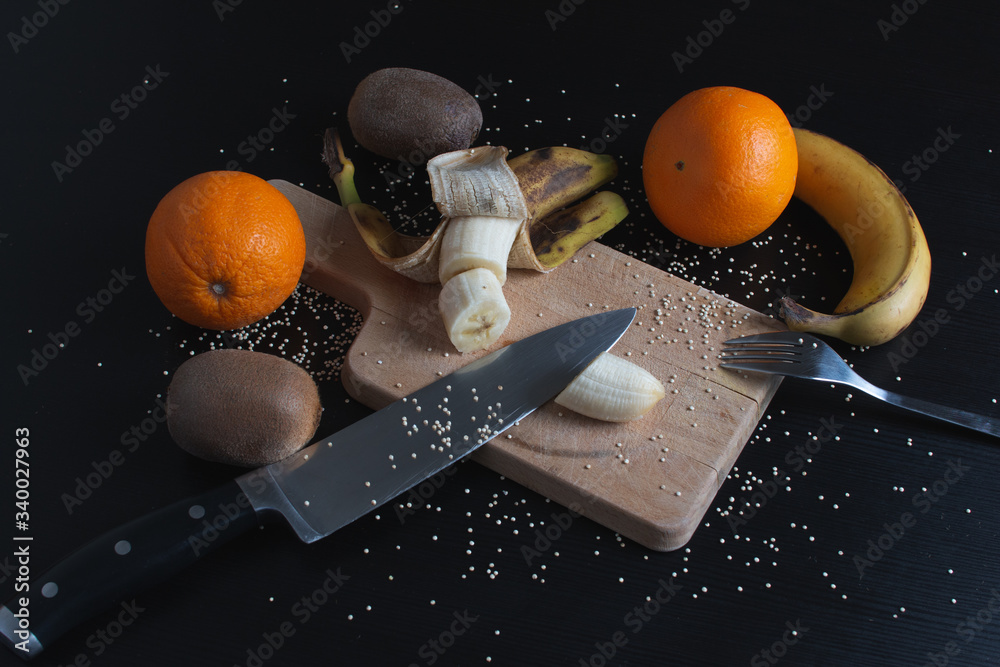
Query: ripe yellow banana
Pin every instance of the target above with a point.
(892, 262)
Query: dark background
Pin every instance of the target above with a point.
(885, 78)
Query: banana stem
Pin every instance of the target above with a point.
(341, 167)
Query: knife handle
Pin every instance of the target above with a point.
(118, 565)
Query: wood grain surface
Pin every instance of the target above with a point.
(650, 480)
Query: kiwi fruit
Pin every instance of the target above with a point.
(412, 115)
(241, 407)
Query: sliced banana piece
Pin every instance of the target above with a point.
(474, 310)
(477, 241)
(612, 389)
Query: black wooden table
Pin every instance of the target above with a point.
(847, 533)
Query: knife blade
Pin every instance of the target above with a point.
(320, 489)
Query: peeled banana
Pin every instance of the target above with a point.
(477, 241)
(612, 389)
(479, 196)
(892, 263)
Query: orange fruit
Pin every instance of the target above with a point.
(719, 166)
(224, 249)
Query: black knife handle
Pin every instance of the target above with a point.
(115, 567)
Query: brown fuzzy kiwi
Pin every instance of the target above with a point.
(412, 115)
(241, 407)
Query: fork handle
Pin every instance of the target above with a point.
(943, 412)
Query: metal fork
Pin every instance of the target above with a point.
(805, 356)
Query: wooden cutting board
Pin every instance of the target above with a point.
(651, 480)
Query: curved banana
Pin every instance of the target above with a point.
(892, 262)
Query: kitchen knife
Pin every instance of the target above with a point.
(320, 489)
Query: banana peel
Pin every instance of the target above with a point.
(550, 179)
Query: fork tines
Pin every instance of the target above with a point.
(793, 338)
(773, 347)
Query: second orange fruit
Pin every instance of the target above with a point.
(720, 165)
(224, 249)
